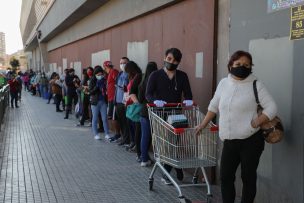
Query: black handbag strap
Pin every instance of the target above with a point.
(255, 90)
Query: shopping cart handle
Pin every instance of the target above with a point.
(169, 105)
(214, 128)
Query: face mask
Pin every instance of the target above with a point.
(122, 67)
(170, 66)
(99, 77)
(240, 71)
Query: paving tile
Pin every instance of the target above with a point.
(45, 158)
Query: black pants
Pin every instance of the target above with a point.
(71, 98)
(58, 99)
(14, 98)
(122, 121)
(246, 152)
(85, 109)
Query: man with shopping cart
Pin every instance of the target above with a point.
(169, 85)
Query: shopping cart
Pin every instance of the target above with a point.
(181, 147)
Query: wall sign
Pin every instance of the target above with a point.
(297, 23)
(276, 5)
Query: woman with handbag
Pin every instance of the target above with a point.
(240, 125)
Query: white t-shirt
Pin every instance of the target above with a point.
(235, 102)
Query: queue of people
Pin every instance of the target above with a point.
(104, 94)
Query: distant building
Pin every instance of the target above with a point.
(2, 49)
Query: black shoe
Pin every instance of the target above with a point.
(12, 106)
(121, 143)
(66, 117)
(59, 110)
(130, 146)
(17, 106)
(114, 138)
(48, 102)
(179, 174)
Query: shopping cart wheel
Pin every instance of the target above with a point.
(183, 199)
(194, 180)
(151, 180)
(209, 198)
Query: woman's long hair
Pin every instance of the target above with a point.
(132, 69)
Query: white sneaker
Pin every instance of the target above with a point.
(145, 164)
(107, 137)
(97, 137)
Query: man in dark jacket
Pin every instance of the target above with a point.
(169, 85)
(71, 81)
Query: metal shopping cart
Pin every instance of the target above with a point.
(180, 147)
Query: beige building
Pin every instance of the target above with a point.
(2, 49)
(32, 13)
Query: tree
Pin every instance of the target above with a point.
(14, 63)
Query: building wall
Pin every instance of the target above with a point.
(112, 13)
(279, 64)
(173, 26)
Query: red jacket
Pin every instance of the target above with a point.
(111, 84)
(13, 83)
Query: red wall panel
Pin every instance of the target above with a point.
(188, 25)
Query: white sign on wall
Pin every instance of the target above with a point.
(138, 52)
(55, 67)
(64, 63)
(199, 64)
(99, 57)
(51, 67)
(77, 68)
(59, 70)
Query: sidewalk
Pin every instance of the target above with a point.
(45, 158)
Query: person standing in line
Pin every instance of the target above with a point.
(240, 125)
(111, 79)
(56, 86)
(120, 108)
(86, 97)
(98, 99)
(14, 85)
(71, 80)
(19, 79)
(43, 84)
(169, 85)
(144, 116)
(135, 77)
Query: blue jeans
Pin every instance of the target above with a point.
(101, 108)
(145, 138)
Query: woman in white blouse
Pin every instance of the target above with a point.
(239, 125)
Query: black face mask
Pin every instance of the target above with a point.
(240, 71)
(170, 66)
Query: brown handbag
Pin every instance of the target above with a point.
(273, 130)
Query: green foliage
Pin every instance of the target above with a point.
(14, 63)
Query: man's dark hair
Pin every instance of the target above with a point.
(125, 58)
(177, 54)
